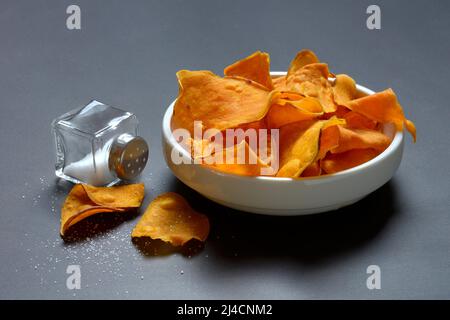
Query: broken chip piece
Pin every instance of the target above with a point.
(170, 218)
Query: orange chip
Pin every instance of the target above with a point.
(255, 67)
(344, 89)
(411, 127)
(74, 217)
(242, 160)
(299, 145)
(312, 81)
(356, 120)
(342, 161)
(279, 83)
(285, 111)
(125, 196)
(220, 103)
(260, 124)
(303, 58)
(312, 170)
(300, 102)
(264, 151)
(170, 218)
(340, 113)
(291, 97)
(79, 206)
(382, 107)
(329, 139)
(202, 148)
(360, 139)
(84, 201)
(338, 139)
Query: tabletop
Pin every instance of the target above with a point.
(126, 54)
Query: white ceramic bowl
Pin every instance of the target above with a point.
(286, 196)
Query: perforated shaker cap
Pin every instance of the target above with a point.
(128, 156)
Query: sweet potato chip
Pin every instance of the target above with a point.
(300, 102)
(360, 139)
(78, 206)
(255, 67)
(356, 120)
(260, 124)
(338, 139)
(340, 112)
(124, 196)
(74, 217)
(312, 170)
(312, 81)
(279, 83)
(299, 145)
(243, 160)
(411, 127)
(382, 107)
(170, 218)
(291, 97)
(342, 161)
(84, 201)
(344, 89)
(285, 111)
(303, 58)
(329, 139)
(220, 103)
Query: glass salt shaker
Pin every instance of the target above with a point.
(98, 145)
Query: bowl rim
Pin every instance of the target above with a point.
(394, 145)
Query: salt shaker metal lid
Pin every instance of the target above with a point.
(128, 156)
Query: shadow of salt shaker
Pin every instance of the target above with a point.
(98, 145)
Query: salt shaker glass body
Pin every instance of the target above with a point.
(98, 145)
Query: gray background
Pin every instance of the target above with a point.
(126, 55)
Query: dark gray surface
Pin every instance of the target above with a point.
(126, 55)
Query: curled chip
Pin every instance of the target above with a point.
(84, 201)
(77, 207)
(170, 218)
(255, 67)
(303, 58)
(323, 122)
